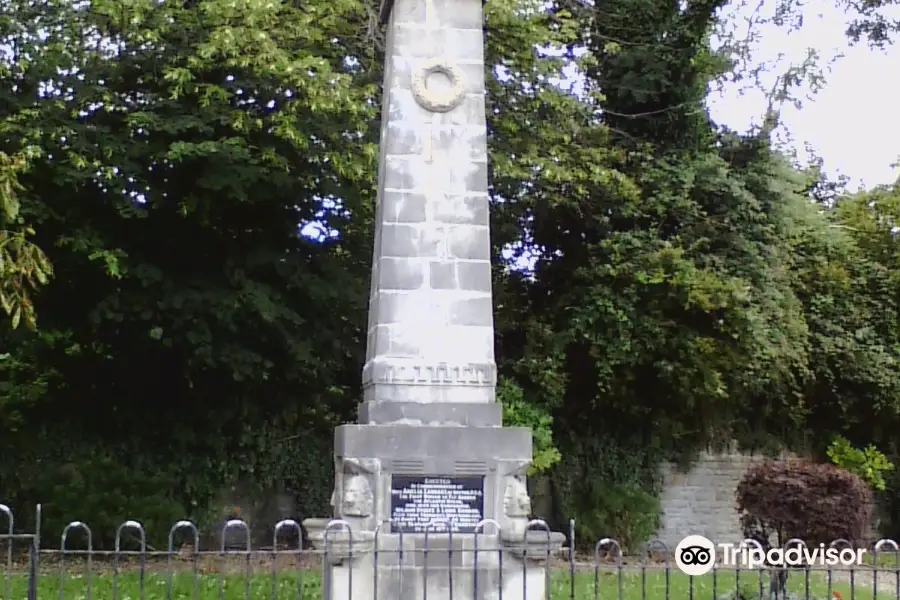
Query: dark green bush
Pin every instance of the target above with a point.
(611, 489)
(93, 484)
(887, 504)
(104, 484)
(621, 511)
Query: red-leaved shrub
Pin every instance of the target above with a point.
(817, 503)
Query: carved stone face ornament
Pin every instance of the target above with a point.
(516, 502)
(358, 499)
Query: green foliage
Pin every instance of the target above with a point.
(626, 513)
(284, 456)
(888, 504)
(610, 488)
(80, 480)
(845, 276)
(867, 463)
(166, 182)
(23, 266)
(684, 292)
(518, 413)
(104, 484)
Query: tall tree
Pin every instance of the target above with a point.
(174, 152)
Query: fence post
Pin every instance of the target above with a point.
(34, 553)
(571, 559)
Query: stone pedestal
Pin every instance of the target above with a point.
(373, 455)
(369, 555)
(463, 567)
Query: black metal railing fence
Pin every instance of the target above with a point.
(291, 569)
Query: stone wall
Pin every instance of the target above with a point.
(701, 501)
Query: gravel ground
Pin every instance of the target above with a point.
(887, 580)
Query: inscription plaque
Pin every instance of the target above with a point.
(418, 501)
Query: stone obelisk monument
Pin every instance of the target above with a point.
(429, 452)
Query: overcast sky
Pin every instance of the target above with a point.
(853, 124)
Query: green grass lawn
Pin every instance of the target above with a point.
(306, 585)
(886, 559)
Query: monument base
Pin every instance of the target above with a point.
(377, 467)
(441, 567)
(432, 511)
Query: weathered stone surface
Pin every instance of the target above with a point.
(420, 413)
(701, 501)
(474, 275)
(429, 409)
(460, 579)
(431, 268)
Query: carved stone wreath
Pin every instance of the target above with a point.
(433, 100)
